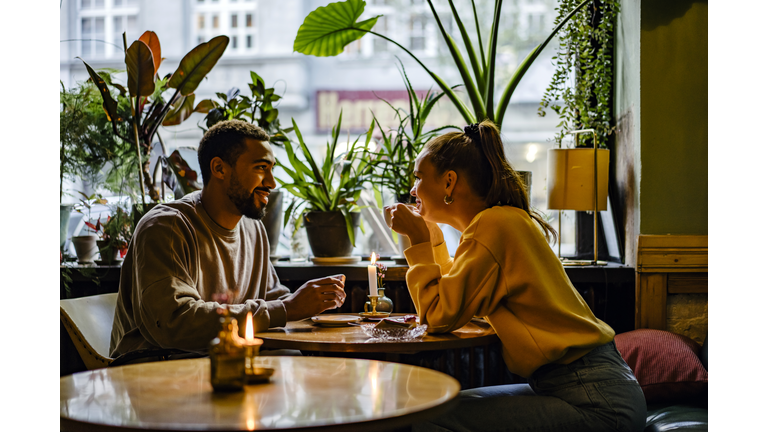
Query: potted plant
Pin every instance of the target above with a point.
(328, 29)
(327, 193)
(147, 97)
(395, 157)
(257, 109)
(86, 147)
(85, 244)
(115, 234)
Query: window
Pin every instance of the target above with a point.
(92, 30)
(380, 45)
(91, 4)
(418, 26)
(101, 27)
(235, 19)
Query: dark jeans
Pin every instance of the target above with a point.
(595, 393)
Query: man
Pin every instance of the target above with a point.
(185, 255)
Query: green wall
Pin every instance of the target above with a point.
(673, 117)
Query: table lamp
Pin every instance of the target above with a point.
(573, 183)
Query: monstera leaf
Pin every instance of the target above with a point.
(141, 69)
(196, 65)
(328, 29)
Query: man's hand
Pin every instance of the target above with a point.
(315, 296)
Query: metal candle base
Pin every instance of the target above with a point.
(373, 313)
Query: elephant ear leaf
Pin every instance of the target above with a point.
(141, 69)
(196, 65)
(150, 38)
(110, 105)
(328, 29)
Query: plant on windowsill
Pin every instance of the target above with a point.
(328, 29)
(327, 193)
(87, 149)
(115, 234)
(395, 157)
(146, 96)
(85, 244)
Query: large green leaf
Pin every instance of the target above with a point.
(141, 69)
(196, 65)
(181, 111)
(110, 105)
(328, 29)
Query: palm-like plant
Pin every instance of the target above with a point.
(149, 108)
(333, 185)
(328, 29)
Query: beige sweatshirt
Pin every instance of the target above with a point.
(505, 271)
(177, 260)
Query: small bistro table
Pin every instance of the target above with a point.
(351, 341)
(305, 393)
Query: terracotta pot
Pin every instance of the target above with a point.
(327, 233)
(85, 248)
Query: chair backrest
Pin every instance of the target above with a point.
(88, 320)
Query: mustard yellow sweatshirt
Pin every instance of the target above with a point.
(505, 271)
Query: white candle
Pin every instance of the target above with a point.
(372, 285)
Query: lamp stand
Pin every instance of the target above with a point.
(594, 262)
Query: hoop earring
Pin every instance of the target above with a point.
(448, 199)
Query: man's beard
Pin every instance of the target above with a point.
(243, 201)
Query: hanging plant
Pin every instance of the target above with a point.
(580, 90)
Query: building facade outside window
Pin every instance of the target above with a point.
(101, 24)
(233, 18)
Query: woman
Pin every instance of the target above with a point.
(505, 271)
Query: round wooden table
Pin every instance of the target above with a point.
(459, 357)
(314, 393)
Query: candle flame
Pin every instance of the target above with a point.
(373, 258)
(249, 327)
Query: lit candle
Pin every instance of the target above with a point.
(372, 285)
(249, 329)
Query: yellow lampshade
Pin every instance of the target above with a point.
(570, 179)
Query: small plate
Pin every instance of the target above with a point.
(335, 320)
(336, 260)
(259, 375)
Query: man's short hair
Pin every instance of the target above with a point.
(226, 140)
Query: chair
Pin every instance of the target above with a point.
(88, 321)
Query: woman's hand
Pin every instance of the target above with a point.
(407, 221)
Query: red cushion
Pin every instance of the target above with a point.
(666, 365)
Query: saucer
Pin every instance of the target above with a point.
(336, 260)
(335, 320)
